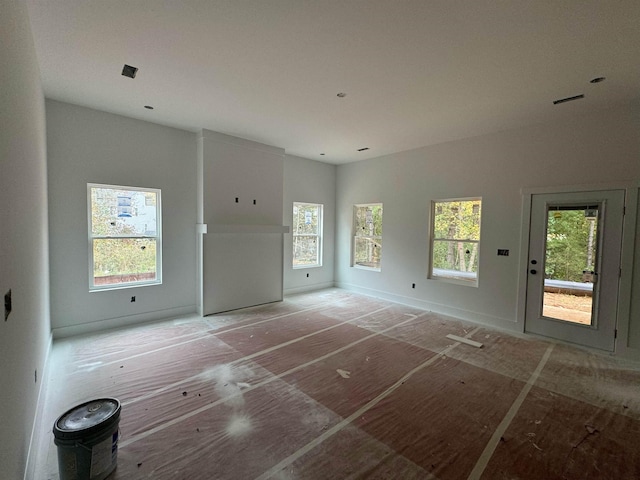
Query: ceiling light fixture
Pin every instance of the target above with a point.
(597, 80)
(568, 99)
(341, 95)
(129, 71)
(148, 107)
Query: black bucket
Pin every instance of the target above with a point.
(87, 440)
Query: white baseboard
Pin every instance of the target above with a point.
(309, 288)
(32, 454)
(467, 315)
(83, 328)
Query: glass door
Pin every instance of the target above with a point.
(574, 264)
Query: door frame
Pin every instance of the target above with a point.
(626, 259)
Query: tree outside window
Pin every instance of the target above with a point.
(367, 237)
(307, 235)
(455, 240)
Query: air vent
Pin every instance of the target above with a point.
(568, 99)
(129, 71)
(363, 149)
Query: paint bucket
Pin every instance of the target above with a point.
(87, 440)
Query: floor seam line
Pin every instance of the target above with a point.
(254, 355)
(362, 410)
(490, 448)
(273, 378)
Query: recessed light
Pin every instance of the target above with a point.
(341, 95)
(129, 71)
(148, 107)
(363, 149)
(568, 99)
(597, 80)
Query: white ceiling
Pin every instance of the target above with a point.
(416, 72)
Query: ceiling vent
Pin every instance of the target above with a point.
(568, 99)
(129, 71)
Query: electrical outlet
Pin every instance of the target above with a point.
(7, 305)
(133, 299)
(307, 275)
(413, 285)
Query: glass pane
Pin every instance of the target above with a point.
(570, 263)
(457, 220)
(123, 260)
(123, 212)
(368, 220)
(305, 251)
(306, 218)
(454, 259)
(367, 252)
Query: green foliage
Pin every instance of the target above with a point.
(569, 250)
(368, 221)
(306, 229)
(368, 235)
(456, 235)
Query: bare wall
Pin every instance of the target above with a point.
(25, 335)
(313, 182)
(603, 147)
(89, 146)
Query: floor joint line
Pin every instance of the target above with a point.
(490, 448)
(362, 410)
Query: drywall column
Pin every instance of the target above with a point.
(240, 196)
(25, 334)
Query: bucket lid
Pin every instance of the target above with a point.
(87, 418)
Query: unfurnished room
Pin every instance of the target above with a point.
(333, 239)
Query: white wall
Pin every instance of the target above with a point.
(603, 147)
(241, 253)
(89, 146)
(25, 336)
(313, 182)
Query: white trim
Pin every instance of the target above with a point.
(455, 280)
(621, 347)
(38, 420)
(318, 235)
(107, 324)
(308, 288)
(459, 313)
(625, 294)
(355, 236)
(157, 237)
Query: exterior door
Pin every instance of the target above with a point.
(574, 266)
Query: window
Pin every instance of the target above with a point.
(124, 236)
(307, 235)
(367, 237)
(455, 234)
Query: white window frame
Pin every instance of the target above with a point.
(358, 235)
(458, 278)
(317, 236)
(91, 237)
